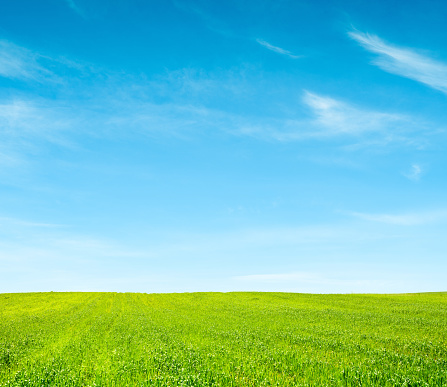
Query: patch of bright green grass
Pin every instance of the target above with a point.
(222, 339)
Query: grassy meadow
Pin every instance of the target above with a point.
(222, 339)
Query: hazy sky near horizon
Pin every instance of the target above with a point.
(191, 145)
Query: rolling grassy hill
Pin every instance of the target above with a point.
(222, 339)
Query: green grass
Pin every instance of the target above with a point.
(222, 339)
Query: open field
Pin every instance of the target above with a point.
(222, 339)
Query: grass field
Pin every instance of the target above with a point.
(222, 339)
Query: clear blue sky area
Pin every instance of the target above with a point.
(191, 145)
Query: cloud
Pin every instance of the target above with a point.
(335, 117)
(404, 61)
(414, 173)
(180, 104)
(31, 127)
(276, 49)
(211, 22)
(74, 7)
(6, 222)
(300, 276)
(24, 122)
(314, 278)
(410, 219)
(330, 118)
(35, 257)
(20, 63)
(327, 118)
(28, 240)
(325, 281)
(218, 26)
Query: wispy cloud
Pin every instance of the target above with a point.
(414, 173)
(404, 61)
(179, 104)
(75, 8)
(330, 118)
(33, 254)
(6, 222)
(276, 49)
(38, 256)
(317, 282)
(220, 27)
(30, 127)
(24, 64)
(408, 219)
(295, 276)
(20, 63)
(50, 241)
(336, 117)
(22, 120)
(213, 23)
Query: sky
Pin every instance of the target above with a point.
(192, 145)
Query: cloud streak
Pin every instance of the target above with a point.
(276, 49)
(6, 222)
(410, 219)
(415, 172)
(336, 117)
(75, 8)
(24, 121)
(20, 63)
(296, 276)
(404, 61)
(330, 118)
(180, 104)
(309, 278)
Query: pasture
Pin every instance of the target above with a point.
(222, 339)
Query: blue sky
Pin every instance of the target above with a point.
(188, 145)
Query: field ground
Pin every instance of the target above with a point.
(222, 339)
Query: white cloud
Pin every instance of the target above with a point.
(414, 173)
(404, 61)
(212, 22)
(30, 127)
(74, 7)
(336, 117)
(6, 222)
(317, 282)
(276, 49)
(331, 118)
(23, 122)
(300, 276)
(33, 256)
(23, 64)
(20, 63)
(410, 219)
(115, 103)
(30, 241)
